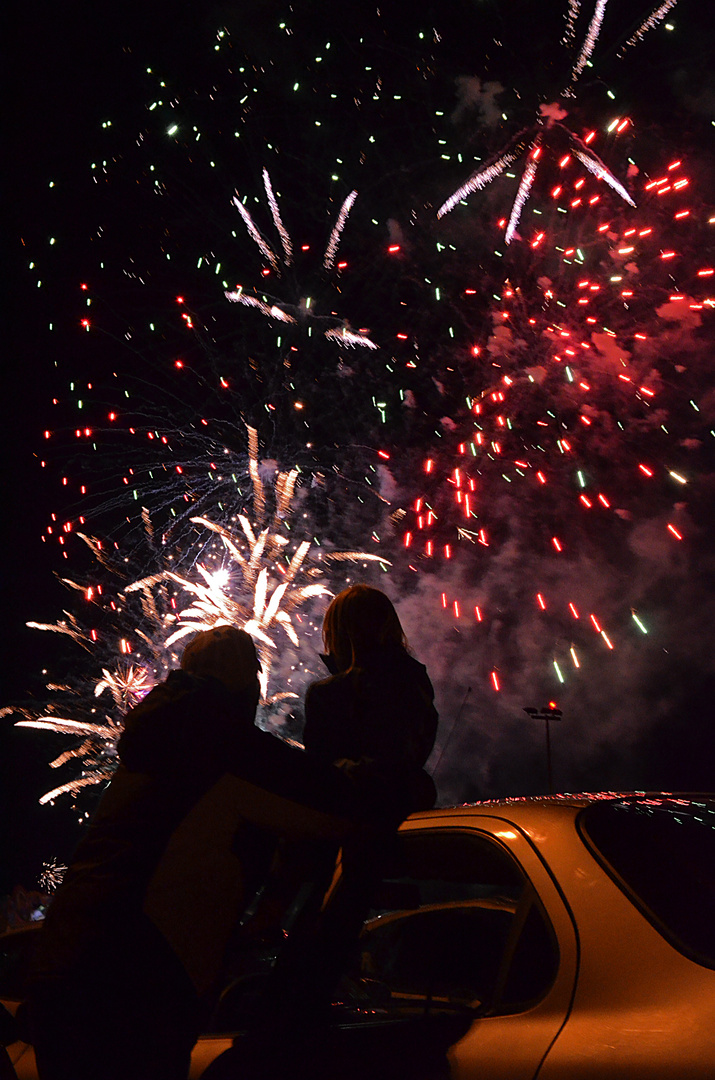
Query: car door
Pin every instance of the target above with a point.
(468, 921)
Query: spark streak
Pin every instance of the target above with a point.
(590, 40)
(522, 194)
(599, 170)
(653, 19)
(334, 241)
(277, 221)
(477, 181)
(265, 248)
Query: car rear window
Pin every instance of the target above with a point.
(662, 854)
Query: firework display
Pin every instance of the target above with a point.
(550, 117)
(500, 405)
(258, 589)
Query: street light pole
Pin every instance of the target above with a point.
(547, 714)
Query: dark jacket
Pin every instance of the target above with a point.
(381, 712)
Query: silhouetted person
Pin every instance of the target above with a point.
(183, 838)
(377, 706)
(374, 717)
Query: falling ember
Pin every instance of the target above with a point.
(495, 681)
(672, 529)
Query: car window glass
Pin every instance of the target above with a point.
(456, 924)
(662, 853)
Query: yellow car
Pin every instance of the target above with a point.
(564, 938)
(578, 932)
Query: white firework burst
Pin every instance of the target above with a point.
(530, 140)
(288, 311)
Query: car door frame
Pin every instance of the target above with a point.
(480, 1052)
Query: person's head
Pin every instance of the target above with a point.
(359, 620)
(229, 655)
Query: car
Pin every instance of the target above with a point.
(578, 932)
(568, 936)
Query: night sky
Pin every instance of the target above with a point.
(645, 721)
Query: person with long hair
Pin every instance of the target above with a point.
(377, 706)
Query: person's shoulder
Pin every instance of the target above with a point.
(395, 658)
(264, 759)
(410, 663)
(326, 700)
(333, 684)
(419, 669)
(401, 674)
(175, 686)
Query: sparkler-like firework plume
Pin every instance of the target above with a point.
(263, 581)
(293, 312)
(273, 582)
(550, 120)
(51, 876)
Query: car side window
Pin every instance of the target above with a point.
(455, 924)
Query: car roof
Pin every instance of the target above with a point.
(519, 805)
